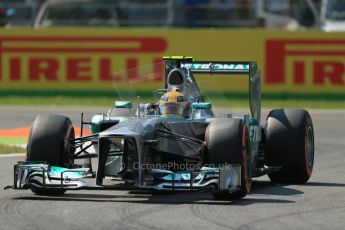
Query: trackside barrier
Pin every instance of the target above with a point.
(127, 60)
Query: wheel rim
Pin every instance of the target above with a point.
(69, 148)
(310, 146)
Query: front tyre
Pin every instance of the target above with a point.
(50, 141)
(227, 143)
(290, 144)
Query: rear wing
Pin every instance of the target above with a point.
(222, 67)
(208, 67)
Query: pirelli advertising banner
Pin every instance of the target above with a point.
(129, 60)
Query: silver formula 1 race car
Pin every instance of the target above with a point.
(176, 144)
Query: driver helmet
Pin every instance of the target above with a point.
(172, 103)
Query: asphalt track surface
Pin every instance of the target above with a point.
(319, 204)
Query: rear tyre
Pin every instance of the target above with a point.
(290, 144)
(227, 143)
(50, 141)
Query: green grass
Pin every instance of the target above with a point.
(105, 98)
(11, 149)
(312, 104)
(13, 140)
(106, 101)
(285, 103)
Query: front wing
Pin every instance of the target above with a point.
(43, 176)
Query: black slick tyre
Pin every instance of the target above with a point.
(227, 143)
(50, 141)
(290, 144)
